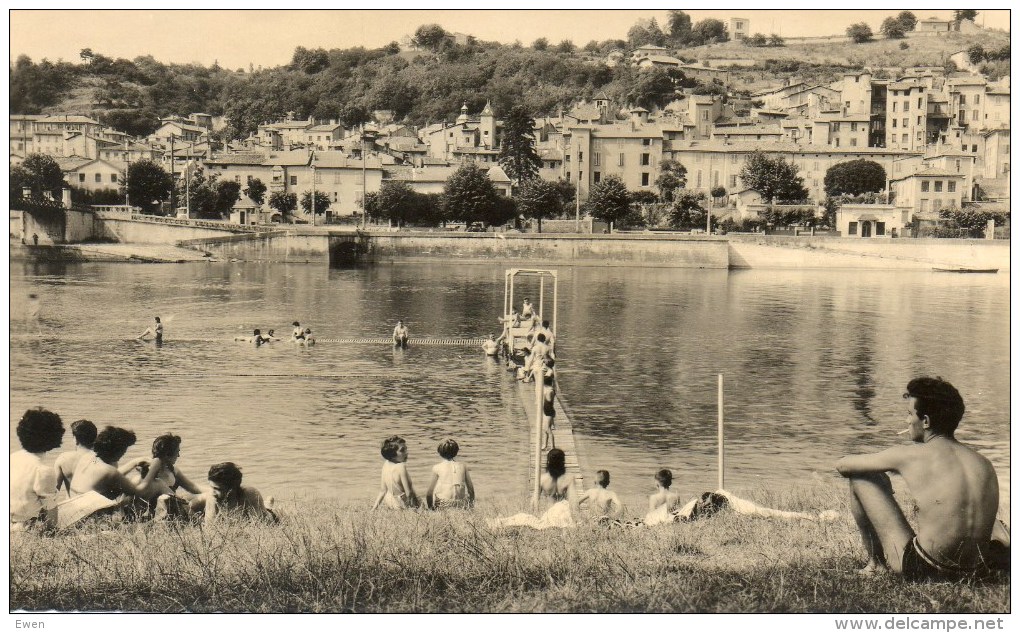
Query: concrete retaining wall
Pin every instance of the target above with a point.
(126, 230)
(582, 250)
(755, 251)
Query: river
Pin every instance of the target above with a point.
(814, 363)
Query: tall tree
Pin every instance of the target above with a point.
(854, 177)
(907, 19)
(394, 201)
(148, 185)
(679, 26)
(710, 30)
(321, 202)
(892, 28)
(965, 14)
(45, 176)
(285, 203)
(228, 193)
(859, 32)
(469, 195)
(609, 200)
(256, 190)
(539, 199)
(672, 176)
(430, 37)
(517, 154)
(773, 177)
(688, 210)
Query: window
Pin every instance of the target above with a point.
(837, 141)
(852, 229)
(733, 159)
(621, 159)
(879, 228)
(919, 120)
(906, 122)
(853, 142)
(99, 178)
(906, 106)
(963, 116)
(598, 158)
(566, 158)
(597, 177)
(293, 181)
(704, 115)
(336, 197)
(894, 122)
(646, 142)
(977, 99)
(699, 178)
(951, 186)
(963, 100)
(924, 204)
(113, 177)
(925, 185)
(580, 155)
(894, 106)
(644, 179)
(905, 138)
(938, 186)
(81, 177)
(973, 148)
(957, 165)
(733, 182)
(646, 159)
(919, 103)
(976, 116)
(853, 127)
(936, 204)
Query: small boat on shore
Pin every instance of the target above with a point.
(965, 270)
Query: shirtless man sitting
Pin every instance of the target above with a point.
(954, 487)
(228, 497)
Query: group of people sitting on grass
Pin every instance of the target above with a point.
(91, 483)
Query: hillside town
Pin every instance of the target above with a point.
(941, 137)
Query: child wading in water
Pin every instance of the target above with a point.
(451, 483)
(395, 489)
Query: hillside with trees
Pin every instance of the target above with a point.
(430, 82)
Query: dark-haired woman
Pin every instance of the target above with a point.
(558, 486)
(103, 474)
(169, 479)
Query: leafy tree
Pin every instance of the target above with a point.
(469, 195)
(20, 179)
(976, 54)
(679, 25)
(502, 212)
(541, 44)
(87, 55)
(148, 185)
(256, 190)
(773, 177)
(566, 46)
(430, 37)
(776, 41)
(609, 200)
(45, 176)
(392, 48)
(353, 114)
(859, 33)
(310, 61)
(517, 154)
(854, 177)
(672, 176)
(718, 192)
(539, 199)
(655, 87)
(907, 20)
(892, 28)
(591, 47)
(394, 201)
(688, 210)
(285, 203)
(710, 30)
(228, 193)
(965, 14)
(322, 202)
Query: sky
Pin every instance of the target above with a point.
(265, 37)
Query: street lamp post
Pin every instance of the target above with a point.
(365, 137)
(311, 162)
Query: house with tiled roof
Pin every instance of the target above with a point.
(432, 179)
(180, 133)
(92, 174)
(929, 190)
(468, 138)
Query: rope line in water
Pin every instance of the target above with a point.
(451, 342)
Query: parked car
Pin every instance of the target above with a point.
(475, 227)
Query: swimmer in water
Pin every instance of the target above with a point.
(155, 331)
(255, 339)
(306, 338)
(490, 346)
(298, 332)
(400, 334)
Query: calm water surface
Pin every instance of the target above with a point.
(814, 364)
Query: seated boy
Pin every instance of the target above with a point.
(229, 497)
(602, 502)
(33, 484)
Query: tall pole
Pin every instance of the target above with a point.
(722, 450)
(187, 179)
(311, 161)
(173, 177)
(577, 200)
(364, 180)
(708, 219)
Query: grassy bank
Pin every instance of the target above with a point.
(345, 559)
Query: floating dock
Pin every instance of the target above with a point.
(563, 436)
